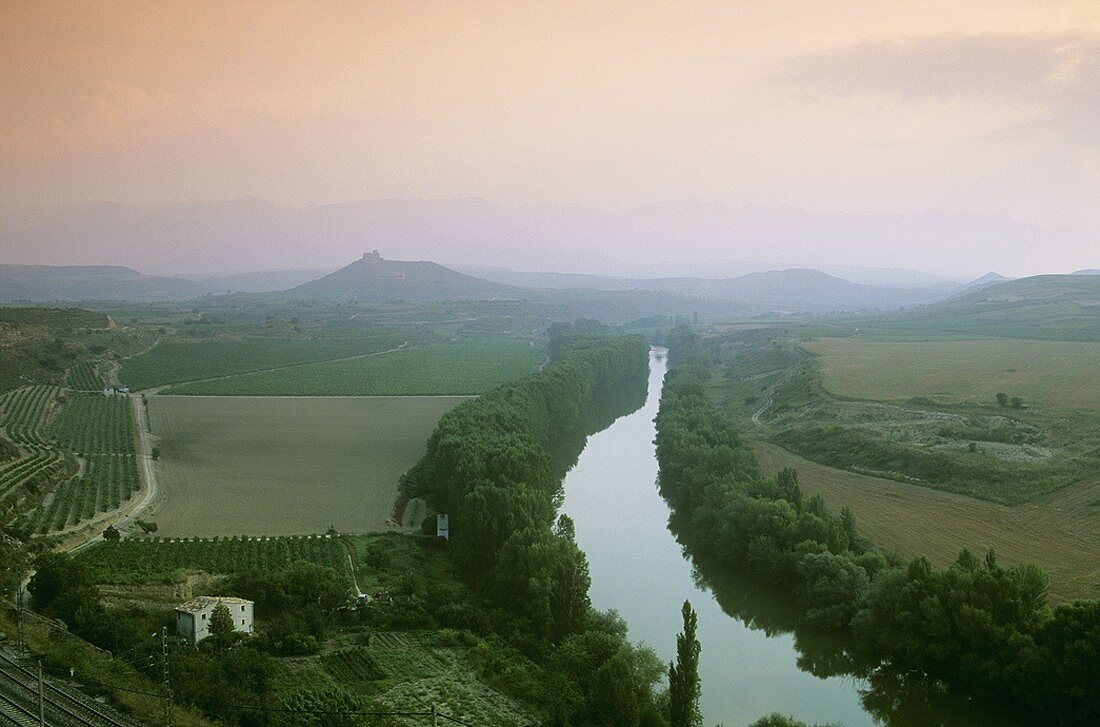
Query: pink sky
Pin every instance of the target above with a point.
(859, 106)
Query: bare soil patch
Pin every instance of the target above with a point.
(285, 465)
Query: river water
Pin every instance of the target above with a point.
(638, 569)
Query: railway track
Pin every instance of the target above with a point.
(19, 701)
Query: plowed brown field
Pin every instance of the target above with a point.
(285, 465)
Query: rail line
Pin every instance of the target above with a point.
(19, 701)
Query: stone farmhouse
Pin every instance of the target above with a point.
(193, 617)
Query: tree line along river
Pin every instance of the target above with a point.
(754, 659)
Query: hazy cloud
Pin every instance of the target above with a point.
(114, 110)
(1058, 75)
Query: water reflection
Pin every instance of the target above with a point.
(757, 656)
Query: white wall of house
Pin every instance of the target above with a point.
(193, 617)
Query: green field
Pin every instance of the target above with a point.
(268, 465)
(1044, 373)
(176, 361)
(466, 365)
(151, 559)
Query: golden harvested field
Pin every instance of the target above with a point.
(1051, 373)
(1060, 532)
(285, 465)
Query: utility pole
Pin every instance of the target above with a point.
(41, 699)
(167, 680)
(435, 715)
(19, 606)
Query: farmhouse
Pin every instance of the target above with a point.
(193, 617)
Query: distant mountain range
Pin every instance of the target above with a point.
(72, 283)
(794, 289)
(43, 283)
(673, 238)
(257, 282)
(373, 278)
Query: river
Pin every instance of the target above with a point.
(638, 569)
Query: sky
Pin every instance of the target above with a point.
(849, 106)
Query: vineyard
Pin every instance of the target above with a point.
(107, 482)
(146, 559)
(467, 365)
(35, 464)
(84, 377)
(95, 424)
(24, 413)
(352, 666)
(52, 427)
(181, 361)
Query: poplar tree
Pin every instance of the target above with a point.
(683, 676)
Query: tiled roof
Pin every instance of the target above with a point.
(202, 602)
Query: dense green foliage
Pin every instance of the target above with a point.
(976, 625)
(227, 675)
(683, 676)
(491, 467)
(970, 472)
(466, 365)
(779, 720)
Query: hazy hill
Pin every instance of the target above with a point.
(1089, 271)
(648, 241)
(1060, 307)
(1038, 290)
(989, 278)
(92, 282)
(794, 290)
(263, 281)
(799, 289)
(372, 278)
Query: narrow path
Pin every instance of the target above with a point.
(354, 575)
(114, 366)
(756, 415)
(766, 374)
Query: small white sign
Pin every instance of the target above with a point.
(441, 528)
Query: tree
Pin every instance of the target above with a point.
(112, 534)
(683, 676)
(221, 625)
(1017, 403)
(1002, 398)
